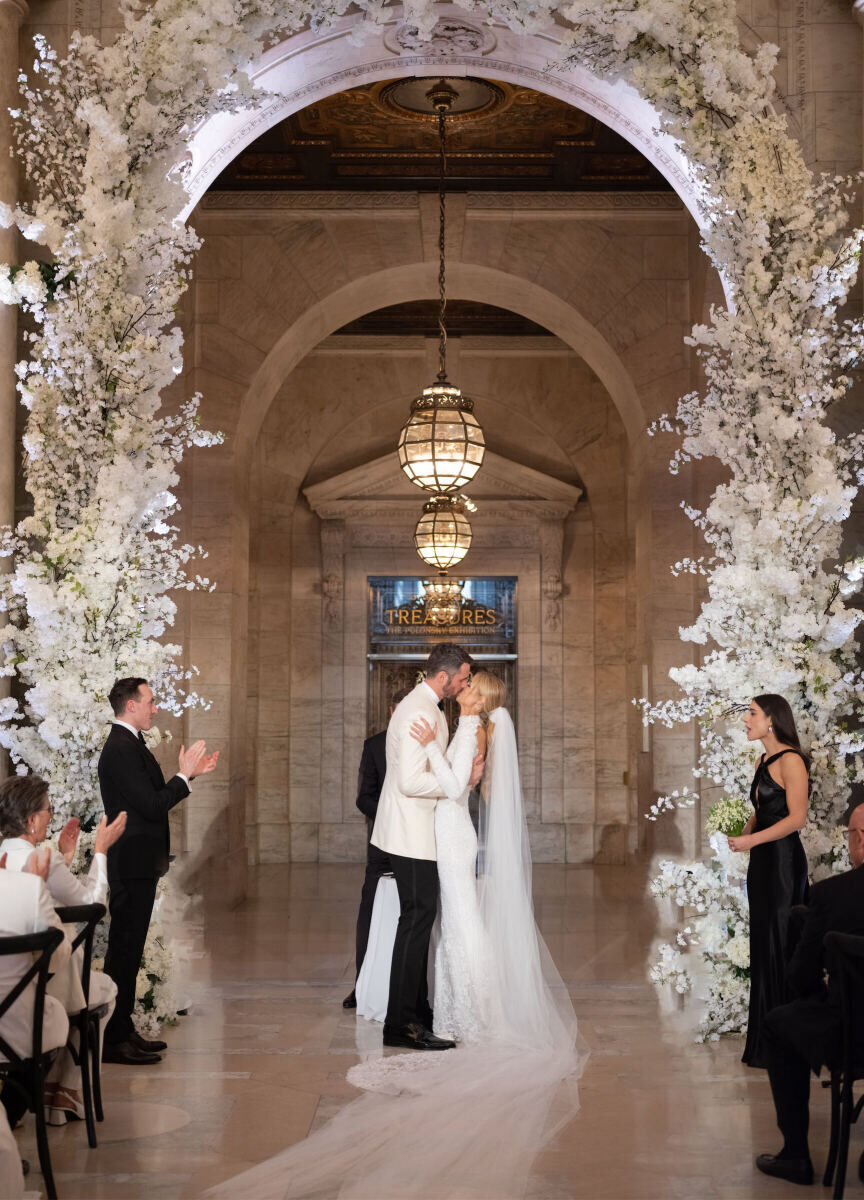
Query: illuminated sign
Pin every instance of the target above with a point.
(470, 614)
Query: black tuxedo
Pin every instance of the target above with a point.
(373, 768)
(805, 1035)
(131, 781)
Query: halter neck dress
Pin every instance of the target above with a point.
(776, 879)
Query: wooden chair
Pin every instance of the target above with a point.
(32, 1069)
(844, 957)
(88, 1019)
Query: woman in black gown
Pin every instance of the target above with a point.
(777, 874)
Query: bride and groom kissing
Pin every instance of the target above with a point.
(479, 1116)
(490, 980)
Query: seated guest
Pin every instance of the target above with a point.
(26, 907)
(806, 1034)
(25, 813)
(11, 1175)
(373, 768)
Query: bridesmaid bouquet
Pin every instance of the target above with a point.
(729, 816)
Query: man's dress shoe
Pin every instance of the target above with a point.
(415, 1037)
(793, 1170)
(128, 1054)
(350, 1001)
(146, 1044)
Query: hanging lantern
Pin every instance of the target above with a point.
(441, 445)
(443, 533)
(443, 599)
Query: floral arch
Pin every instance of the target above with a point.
(89, 595)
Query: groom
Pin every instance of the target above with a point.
(405, 831)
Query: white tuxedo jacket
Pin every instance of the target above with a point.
(26, 907)
(405, 823)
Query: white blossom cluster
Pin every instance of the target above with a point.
(89, 596)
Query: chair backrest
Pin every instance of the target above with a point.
(844, 957)
(42, 944)
(88, 917)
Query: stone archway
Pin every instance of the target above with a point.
(314, 64)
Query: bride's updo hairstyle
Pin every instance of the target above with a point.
(492, 689)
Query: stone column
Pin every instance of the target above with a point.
(551, 539)
(12, 12)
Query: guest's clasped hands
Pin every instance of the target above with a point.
(196, 761)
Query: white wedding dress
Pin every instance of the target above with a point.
(462, 986)
(465, 1124)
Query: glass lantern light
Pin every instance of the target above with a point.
(443, 533)
(443, 599)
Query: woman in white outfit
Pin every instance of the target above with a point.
(25, 907)
(25, 814)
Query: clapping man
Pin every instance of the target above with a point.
(131, 781)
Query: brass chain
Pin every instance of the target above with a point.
(442, 223)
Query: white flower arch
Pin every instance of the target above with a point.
(94, 566)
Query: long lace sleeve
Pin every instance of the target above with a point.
(453, 775)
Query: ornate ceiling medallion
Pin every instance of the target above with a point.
(409, 99)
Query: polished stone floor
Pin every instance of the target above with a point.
(263, 1054)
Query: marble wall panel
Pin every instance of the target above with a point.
(342, 842)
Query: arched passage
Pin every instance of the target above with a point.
(314, 64)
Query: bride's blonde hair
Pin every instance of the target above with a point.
(492, 689)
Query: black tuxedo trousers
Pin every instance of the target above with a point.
(131, 905)
(417, 881)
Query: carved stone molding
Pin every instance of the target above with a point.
(397, 512)
(450, 37)
(551, 565)
(474, 64)
(332, 569)
(382, 484)
(578, 201)
(249, 201)
(328, 201)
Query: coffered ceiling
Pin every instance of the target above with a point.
(382, 136)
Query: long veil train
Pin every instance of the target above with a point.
(466, 1124)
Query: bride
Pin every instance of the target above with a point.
(490, 983)
(469, 1122)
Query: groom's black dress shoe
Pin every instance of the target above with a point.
(149, 1046)
(128, 1054)
(415, 1037)
(350, 1001)
(793, 1170)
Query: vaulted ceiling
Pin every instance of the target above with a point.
(383, 136)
